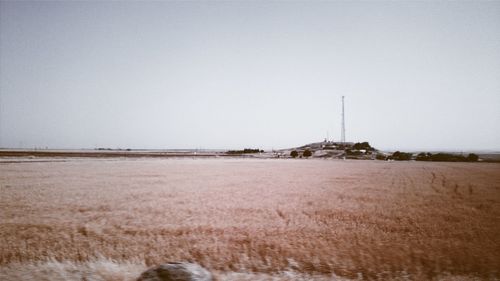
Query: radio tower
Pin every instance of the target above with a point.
(342, 135)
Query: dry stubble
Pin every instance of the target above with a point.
(316, 218)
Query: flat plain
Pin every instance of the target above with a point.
(248, 219)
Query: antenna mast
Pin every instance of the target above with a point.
(342, 136)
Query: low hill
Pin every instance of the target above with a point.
(330, 149)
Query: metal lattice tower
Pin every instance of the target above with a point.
(342, 135)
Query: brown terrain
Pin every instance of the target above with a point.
(249, 219)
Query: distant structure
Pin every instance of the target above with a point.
(342, 134)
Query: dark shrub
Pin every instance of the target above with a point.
(307, 153)
(363, 145)
(294, 154)
(401, 156)
(472, 157)
(422, 156)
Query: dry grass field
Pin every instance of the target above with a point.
(96, 219)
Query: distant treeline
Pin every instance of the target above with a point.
(113, 149)
(446, 157)
(401, 156)
(246, 150)
(427, 156)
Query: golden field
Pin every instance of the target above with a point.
(246, 219)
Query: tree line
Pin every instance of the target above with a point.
(427, 156)
(245, 151)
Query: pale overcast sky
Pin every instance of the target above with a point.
(416, 75)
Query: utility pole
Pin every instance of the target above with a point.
(342, 135)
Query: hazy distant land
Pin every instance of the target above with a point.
(324, 149)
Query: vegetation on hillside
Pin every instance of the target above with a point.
(363, 146)
(307, 153)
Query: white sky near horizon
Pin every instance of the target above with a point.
(229, 75)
